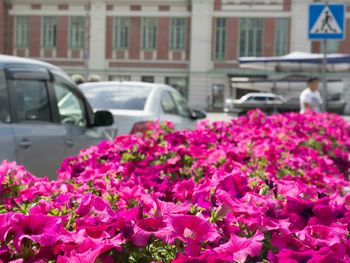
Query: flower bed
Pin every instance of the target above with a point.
(257, 188)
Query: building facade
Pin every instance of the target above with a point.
(193, 45)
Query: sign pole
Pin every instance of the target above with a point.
(326, 21)
(324, 72)
(324, 75)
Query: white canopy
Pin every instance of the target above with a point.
(298, 61)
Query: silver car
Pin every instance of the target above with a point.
(135, 104)
(265, 101)
(43, 116)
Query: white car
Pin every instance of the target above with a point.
(135, 105)
(264, 101)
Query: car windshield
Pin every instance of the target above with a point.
(126, 97)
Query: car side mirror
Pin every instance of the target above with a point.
(198, 114)
(103, 118)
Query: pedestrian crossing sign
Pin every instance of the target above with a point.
(326, 21)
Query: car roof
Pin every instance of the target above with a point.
(124, 83)
(262, 94)
(155, 87)
(6, 60)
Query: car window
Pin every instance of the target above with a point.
(259, 98)
(274, 99)
(181, 105)
(4, 101)
(31, 99)
(117, 97)
(168, 104)
(70, 106)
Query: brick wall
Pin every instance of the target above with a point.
(217, 5)
(232, 31)
(62, 36)
(2, 27)
(135, 38)
(345, 44)
(34, 36)
(109, 37)
(11, 35)
(315, 47)
(162, 38)
(287, 5)
(188, 37)
(269, 37)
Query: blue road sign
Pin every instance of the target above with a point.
(326, 21)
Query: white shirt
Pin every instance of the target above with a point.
(313, 98)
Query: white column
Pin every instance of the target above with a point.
(200, 55)
(97, 36)
(299, 26)
(201, 35)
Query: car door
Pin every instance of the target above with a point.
(169, 109)
(39, 141)
(186, 118)
(72, 112)
(7, 139)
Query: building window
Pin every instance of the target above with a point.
(332, 46)
(48, 32)
(250, 37)
(149, 33)
(76, 32)
(121, 32)
(178, 29)
(218, 91)
(119, 78)
(178, 83)
(282, 36)
(149, 79)
(21, 31)
(220, 39)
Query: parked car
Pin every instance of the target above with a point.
(265, 101)
(43, 116)
(135, 105)
(270, 102)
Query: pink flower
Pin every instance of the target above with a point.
(286, 241)
(183, 190)
(235, 184)
(318, 236)
(6, 224)
(88, 256)
(192, 230)
(92, 203)
(211, 257)
(79, 246)
(45, 230)
(148, 227)
(238, 248)
(324, 255)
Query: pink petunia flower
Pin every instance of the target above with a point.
(238, 248)
(41, 229)
(148, 227)
(192, 230)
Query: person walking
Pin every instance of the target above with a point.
(326, 22)
(310, 98)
